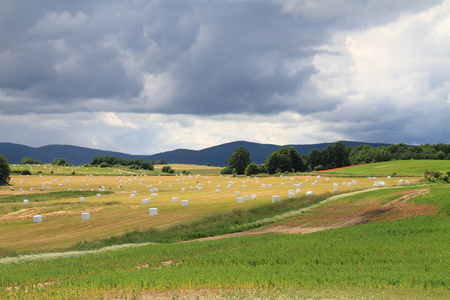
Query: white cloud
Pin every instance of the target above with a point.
(111, 119)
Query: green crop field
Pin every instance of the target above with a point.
(399, 250)
(398, 168)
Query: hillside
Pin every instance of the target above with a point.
(73, 154)
(216, 155)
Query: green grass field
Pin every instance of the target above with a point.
(398, 168)
(402, 253)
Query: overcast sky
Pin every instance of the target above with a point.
(143, 77)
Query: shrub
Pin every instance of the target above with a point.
(30, 161)
(25, 172)
(251, 169)
(167, 169)
(226, 170)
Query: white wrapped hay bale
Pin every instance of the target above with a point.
(276, 198)
(99, 195)
(282, 184)
(240, 199)
(309, 193)
(298, 191)
(406, 181)
(81, 198)
(154, 195)
(246, 197)
(217, 191)
(174, 199)
(153, 211)
(25, 201)
(199, 188)
(253, 196)
(184, 202)
(291, 195)
(146, 200)
(236, 193)
(85, 216)
(132, 195)
(37, 219)
(349, 184)
(400, 181)
(183, 189)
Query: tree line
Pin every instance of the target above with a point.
(110, 161)
(334, 156)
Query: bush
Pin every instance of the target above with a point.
(25, 172)
(30, 161)
(167, 169)
(226, 170)
(261, 169)
(251, 169)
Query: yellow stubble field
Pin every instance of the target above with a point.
(119, 211)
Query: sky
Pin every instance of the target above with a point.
(143, 77)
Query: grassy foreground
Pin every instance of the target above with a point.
(408, 257)
(398, 168)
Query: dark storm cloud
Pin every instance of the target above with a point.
(218, 56)
(197, 72)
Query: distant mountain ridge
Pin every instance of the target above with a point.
(216, 155)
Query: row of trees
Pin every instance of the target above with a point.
(284, 160)
(334, 156)
(109, 161)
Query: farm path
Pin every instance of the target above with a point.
(354, 216)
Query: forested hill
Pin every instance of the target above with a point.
(73, 154)
(219, 155)
(216, 156)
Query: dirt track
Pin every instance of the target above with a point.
(354, 216)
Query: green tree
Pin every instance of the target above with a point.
(60, 162)
(30, 161)
(314, 158)
(239, 160)
(251, 169)
(261, 169)
(225, 171)
(278, 162)
(167, 169)
(298, 164)
(5, 171)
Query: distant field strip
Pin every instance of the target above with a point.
(259, 223)
(56, 255)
